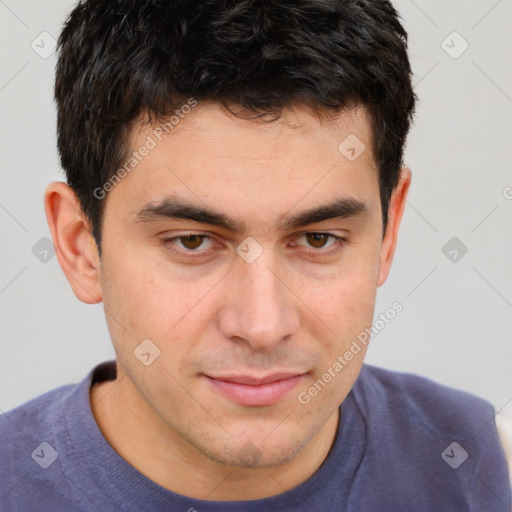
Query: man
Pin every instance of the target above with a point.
(235, 190)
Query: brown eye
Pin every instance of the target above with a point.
(317, 240)
(191, 242)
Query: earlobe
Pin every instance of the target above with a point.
(396, 210)
(76, 249)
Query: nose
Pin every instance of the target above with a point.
(260, 308)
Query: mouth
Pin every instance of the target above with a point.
(255, 391)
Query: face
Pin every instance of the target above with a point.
(249, 255)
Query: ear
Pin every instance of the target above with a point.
(76, 248)
(395, 212)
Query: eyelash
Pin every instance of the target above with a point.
(338, 244)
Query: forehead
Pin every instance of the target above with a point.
(208, 156)
(209, 123)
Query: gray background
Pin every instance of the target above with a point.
(456, 324)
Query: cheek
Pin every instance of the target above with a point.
(145, 298)
(346, 307)
(344, 300)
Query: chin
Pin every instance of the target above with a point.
(252, 453)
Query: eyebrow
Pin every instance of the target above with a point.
(173, 208)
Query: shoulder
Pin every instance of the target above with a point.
(46, 414)
(32, 437)
(35, 416)
(504, 425)
(431, 432)
(442, 409)
(28, 435)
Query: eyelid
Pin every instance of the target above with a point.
(305, 233)
(335, 247)
(175, 237)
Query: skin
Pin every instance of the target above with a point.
(216, 314)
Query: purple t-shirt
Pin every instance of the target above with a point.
(403, 443)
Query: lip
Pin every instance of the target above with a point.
(255, 391)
